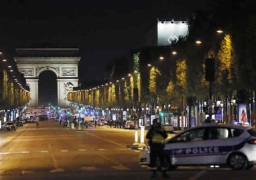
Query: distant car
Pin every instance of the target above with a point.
(129, 125)
(210, 144)
(168, 128)
(10, 126)
(19, 123)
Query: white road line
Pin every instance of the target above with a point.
(44, 151)
(89, 168)
(106, 140)
(119, 167)
(25, 152)
(64, 150)
(101, 149)
(57, 170)
(2, 153)
(197, 175)
(27, 172)
(81, 149)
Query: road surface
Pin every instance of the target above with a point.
(52, 152)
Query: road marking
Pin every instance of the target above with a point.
(114, 161)
(81, 149)
(57, 170)
(27, 172)
(44, 151)
(25, 152)
(197, 175)
(101, 149)
(3, 153)
(106, 140)
(64, 150)
(119, 167)
(89, 168)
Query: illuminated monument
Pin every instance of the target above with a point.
(62, 61)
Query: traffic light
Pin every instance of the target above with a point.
(133, 117)
(210, 69)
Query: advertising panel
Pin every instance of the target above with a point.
(242, 113)
(170, 31)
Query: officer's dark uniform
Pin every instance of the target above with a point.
(156, 136)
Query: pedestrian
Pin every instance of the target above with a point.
(156, 136)
(37, 120)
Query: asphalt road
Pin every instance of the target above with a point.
(52, 152)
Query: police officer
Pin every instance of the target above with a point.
(156, 136)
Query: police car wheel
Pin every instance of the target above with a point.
(237, 161)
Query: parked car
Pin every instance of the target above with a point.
(129, 125)
(168, 128)
(19, 123)
(10, 126)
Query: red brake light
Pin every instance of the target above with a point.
(252, 141)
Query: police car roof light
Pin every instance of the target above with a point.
(252, 141)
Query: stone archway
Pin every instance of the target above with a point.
(62, 61)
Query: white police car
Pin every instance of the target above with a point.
(210, 144)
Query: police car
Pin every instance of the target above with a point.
(210, 144)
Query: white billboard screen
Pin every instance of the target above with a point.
(169, 31)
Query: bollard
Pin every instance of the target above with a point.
(136, 136)
(142, 134)
(136, 139)
(68, 124)
(79, 127)
(72, 126)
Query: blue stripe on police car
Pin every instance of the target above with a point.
(210, 150)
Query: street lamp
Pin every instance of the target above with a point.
(198, 42)
(219, 31)
(174, 52)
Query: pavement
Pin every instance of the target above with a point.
(52, 152)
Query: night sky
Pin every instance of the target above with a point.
(102, 29)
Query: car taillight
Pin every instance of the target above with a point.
(252, 141)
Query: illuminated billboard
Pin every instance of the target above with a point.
(170, 31)
(242, 113)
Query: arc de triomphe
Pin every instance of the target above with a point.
(62, 61)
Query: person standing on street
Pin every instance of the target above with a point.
(156, 136)
(37, 121)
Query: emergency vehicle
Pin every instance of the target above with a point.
(210, 145)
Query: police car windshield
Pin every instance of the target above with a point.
(252, 132)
